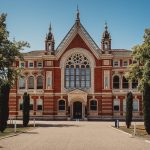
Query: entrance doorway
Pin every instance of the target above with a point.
(77, 110)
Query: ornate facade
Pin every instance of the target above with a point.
(78, 79)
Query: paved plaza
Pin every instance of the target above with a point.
(72, 135)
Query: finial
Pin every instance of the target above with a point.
(106, 27)
(78, 14)
(50, 28)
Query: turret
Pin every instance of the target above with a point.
(106, 41)
(50, 42)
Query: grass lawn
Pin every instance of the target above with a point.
(140, 130)
(10, 130)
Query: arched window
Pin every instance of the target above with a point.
(77, 72)
(31, 82)
(116, 105)
(61, 105)
(21, 83)
(39, 82)
(135, 105)
(125, 84)
(116, 82)
(39, 105)
(93, 105)
(134, 84)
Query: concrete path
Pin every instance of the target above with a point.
(74, 136)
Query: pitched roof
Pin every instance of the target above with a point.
(35, 53)
(74, 30)
(121, 53)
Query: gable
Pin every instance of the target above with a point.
(78, 37)
(77, 42)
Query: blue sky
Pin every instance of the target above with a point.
(29, 20)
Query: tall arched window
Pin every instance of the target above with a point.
(39, 82)
(93, 105)
(125, 84)
(61, 104)
(21, 83)
(77, 72)
(116, 82)
(31, 82)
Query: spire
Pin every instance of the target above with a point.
(50, 34)
(106, 34)
(106, 27)
(78, 14)
(106, 40)
(50, 42)
(50, 28)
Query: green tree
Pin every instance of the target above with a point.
(26, 109)
(9, 51)
(129, 109)
(4, 109)
(140, 70)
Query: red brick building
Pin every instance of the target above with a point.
(78, 79)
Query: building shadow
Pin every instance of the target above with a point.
(56, 125)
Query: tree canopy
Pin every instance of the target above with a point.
(140, 68)
(9, 50)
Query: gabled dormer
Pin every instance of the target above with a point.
(50, 42)
(106, 41)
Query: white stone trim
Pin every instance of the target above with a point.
(68, 40)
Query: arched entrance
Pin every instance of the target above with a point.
(77, 110)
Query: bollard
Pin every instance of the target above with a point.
(134, 128)
(117, 123)
(34, 122)
(15, 126)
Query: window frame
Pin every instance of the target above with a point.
(20, 64)
(59, 106)
(136, 100)
(95, 106)
(37, 105)
(29, 62)
(20, 88)
(118, 62)
(116, 82)
(37, 85)
(124, 84)
(116, 105)
(33, 83)
(38, 64)
(123, 63)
